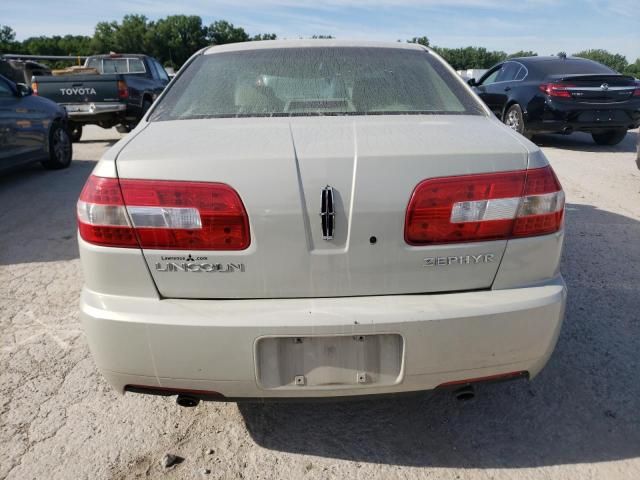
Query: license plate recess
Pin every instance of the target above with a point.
(348, 361)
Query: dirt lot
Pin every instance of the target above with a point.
(579, 419)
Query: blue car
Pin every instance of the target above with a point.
(32, 129)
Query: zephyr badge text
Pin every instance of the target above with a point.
(459, 260)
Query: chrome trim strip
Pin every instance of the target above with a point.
(91, 108)
(598, 89)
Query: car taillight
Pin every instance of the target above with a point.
(161, 214)
(556, 89)
(636, 92)
(123, 90)
(493, 206)
(102, 217)
(34, 87)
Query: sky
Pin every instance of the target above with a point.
(544, 26)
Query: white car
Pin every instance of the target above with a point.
(319, 219)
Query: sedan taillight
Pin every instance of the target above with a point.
(556, 89)
(493, 206)
(162, 214)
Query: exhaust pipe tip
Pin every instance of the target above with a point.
(465, 394)
(187, 401)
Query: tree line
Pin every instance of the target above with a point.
(479, 57)
(173, 39)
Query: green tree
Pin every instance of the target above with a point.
(612, 60)
(633, 69)
(221, 32)
(56, 45)
(7, 39)
(175, 38)
(470, 57)
(43, 46)
(104, 37)
(523, 53)
(132, 35)
(421, 40)
(264, 36)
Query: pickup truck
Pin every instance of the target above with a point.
(118, 95)
(21, 71)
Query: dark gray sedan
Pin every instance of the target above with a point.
(32, 129)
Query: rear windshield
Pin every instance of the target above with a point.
(117, 65)
(315, 81)
(572, 66)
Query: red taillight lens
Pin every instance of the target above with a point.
(636, 92)
(186, 215)
(102, 217)
(123, 90)
(541, 208)
(492, 206)
(556, 89)
(162, 215)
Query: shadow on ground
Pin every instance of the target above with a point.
(582, 142)
(38, 215)
(582, 408)
(106, 143)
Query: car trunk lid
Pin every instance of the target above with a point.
(596, 88)
(280, 167)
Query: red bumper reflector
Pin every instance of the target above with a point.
(491, 378)
(169, 391)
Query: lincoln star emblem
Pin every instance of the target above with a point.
(604, 87)
(327, 213)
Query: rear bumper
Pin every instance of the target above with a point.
(557, 116)
(78, 110)
(211, 345)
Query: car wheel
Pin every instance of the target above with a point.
(514, 119)
(610, 137)
(75, 132)
(60, 149)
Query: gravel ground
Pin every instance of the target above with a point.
(579, 419)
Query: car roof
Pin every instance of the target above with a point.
(555, 64)
(119, 55)
(551, 58)
(306, 43)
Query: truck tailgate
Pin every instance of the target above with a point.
(79, 88)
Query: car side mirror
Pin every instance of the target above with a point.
(472, 82)
(23, 90)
